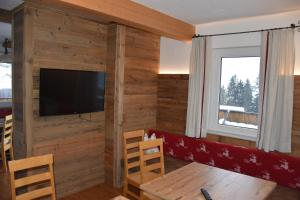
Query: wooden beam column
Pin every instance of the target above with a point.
(22, 81)
(130, 14)
(114, 105)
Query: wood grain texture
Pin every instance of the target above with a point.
(28, 83)
(31, 179)
(61, 41)
(120, 198)
(114, 104)
(131, 162)
(172, 103)
(142, 53)
(131, 14)
(19, 137)
(296, 118)
(107, 192)
(184, 183)
(83, 153)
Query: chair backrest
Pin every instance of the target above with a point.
(151, 162)
(7, 132)
(40, 184)
(131, 151)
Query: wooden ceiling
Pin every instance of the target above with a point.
(128, 13)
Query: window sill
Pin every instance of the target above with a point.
(250, 137)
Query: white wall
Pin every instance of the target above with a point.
(237, 25)
(174, 56)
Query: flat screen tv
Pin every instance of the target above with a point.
(65, 92)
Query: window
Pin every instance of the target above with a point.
(234, 96)
(238, 98)
(5, 82)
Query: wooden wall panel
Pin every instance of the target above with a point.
(87, 148)
(114, 104)
(61, 41)
(18, 85)
(142, 52)
(171, 112)
(296, 118)
(172, 102)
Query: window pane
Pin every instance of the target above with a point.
(239, 92)
(5, 81)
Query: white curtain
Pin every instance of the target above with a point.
(196, 88)
(277, 69)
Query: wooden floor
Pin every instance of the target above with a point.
(105, 192)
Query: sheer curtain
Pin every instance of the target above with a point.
(195, 117)
(277, 76)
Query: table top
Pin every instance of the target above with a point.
(185, 184)
(120, 198)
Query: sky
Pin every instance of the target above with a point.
(5, 75)
(244, 67)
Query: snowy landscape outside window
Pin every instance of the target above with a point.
(239, 92)
(5, 82)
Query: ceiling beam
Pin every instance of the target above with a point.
(5, 16)
(131, 14)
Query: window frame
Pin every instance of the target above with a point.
(214, 95)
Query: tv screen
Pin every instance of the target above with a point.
(64, 92)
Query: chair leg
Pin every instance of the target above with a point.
(3, 156)
(125, 189)
(142, 196)
(11, 152)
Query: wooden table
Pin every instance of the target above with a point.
(120, 198)
(185, 184)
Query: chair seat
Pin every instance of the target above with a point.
(136, 177)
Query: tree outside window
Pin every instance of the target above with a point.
(239, 92)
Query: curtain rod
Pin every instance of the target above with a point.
(220, 34)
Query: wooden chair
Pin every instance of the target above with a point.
(39, 185)
(152, 165)
(132, 161)
(6, 142)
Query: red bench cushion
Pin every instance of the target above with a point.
(281, 168)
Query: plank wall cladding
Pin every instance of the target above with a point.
(56, 40)
(133, 59)
(172, 102)
(18, 78)
(172, 105)
(87, 148)
(142, 53)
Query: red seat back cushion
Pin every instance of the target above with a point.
(281, 168)
(4, 112)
